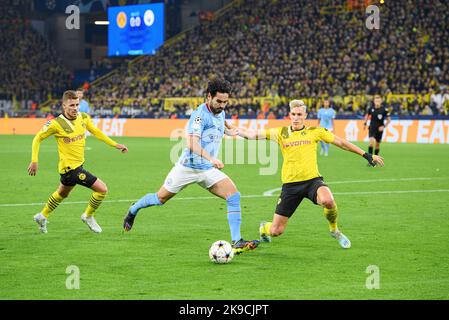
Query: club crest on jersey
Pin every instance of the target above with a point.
(197, 120)
(303, 133)
(196, 123)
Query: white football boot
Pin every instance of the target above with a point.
(91, 223)
(342, 239)
(41, 221)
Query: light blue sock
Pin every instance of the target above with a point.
(146, 201)
(326, 149)
(234, 216)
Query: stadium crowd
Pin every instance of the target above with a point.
(288, 48)
(29, 67)
(282, 48)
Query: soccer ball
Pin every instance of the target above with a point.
(221, 252)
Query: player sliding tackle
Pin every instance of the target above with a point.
(199, 164)
(300, 176)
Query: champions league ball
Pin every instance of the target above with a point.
(221, 252)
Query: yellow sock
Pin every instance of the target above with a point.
(94, 202)
(54, 201)
(266, 228)
(331, 216)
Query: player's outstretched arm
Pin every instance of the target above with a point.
(251, 134)
(231, 130)
(373, 160)
(101, 136)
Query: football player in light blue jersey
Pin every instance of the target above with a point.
(326, 116)
(84, 105)
(209, 127)
(199, 164)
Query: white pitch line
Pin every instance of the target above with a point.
(270, 192)
(245, 196)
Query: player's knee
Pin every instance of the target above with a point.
(63, 194)
(328, 203)
(103, 189)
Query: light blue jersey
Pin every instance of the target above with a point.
(210, 128)
(84, 106)
(326, 116)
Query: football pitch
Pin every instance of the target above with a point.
(396, 217)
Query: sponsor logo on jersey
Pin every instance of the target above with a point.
(297, 143)
(74, 139)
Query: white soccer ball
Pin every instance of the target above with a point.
(221, 252)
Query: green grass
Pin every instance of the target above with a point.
(166, 254)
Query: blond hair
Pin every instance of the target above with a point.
(297, 103)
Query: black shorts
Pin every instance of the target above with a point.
(375, 133)
(78, 176)
(293, 193)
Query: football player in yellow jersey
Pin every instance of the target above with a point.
(69, 130)
(300, 176)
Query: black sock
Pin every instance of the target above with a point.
(370, 150)
(376, 152)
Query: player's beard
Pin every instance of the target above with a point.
(216, 110)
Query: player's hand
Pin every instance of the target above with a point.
(378, 160)
(381, 128)
(232, 132)
(122, 147)
(369, 158)
(217, 163)
(32, 168)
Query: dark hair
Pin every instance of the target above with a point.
(218, 85)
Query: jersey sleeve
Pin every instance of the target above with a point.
(272, 134)
(47, 130)
(318, 115)
(95, 131)
(325, 135)
(196, 124)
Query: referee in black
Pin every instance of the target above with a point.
(375, 118)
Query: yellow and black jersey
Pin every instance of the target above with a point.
(71, 138)
(299, 149)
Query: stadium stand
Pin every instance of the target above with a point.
(271, 51)
(29, 67)
(288, 48)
